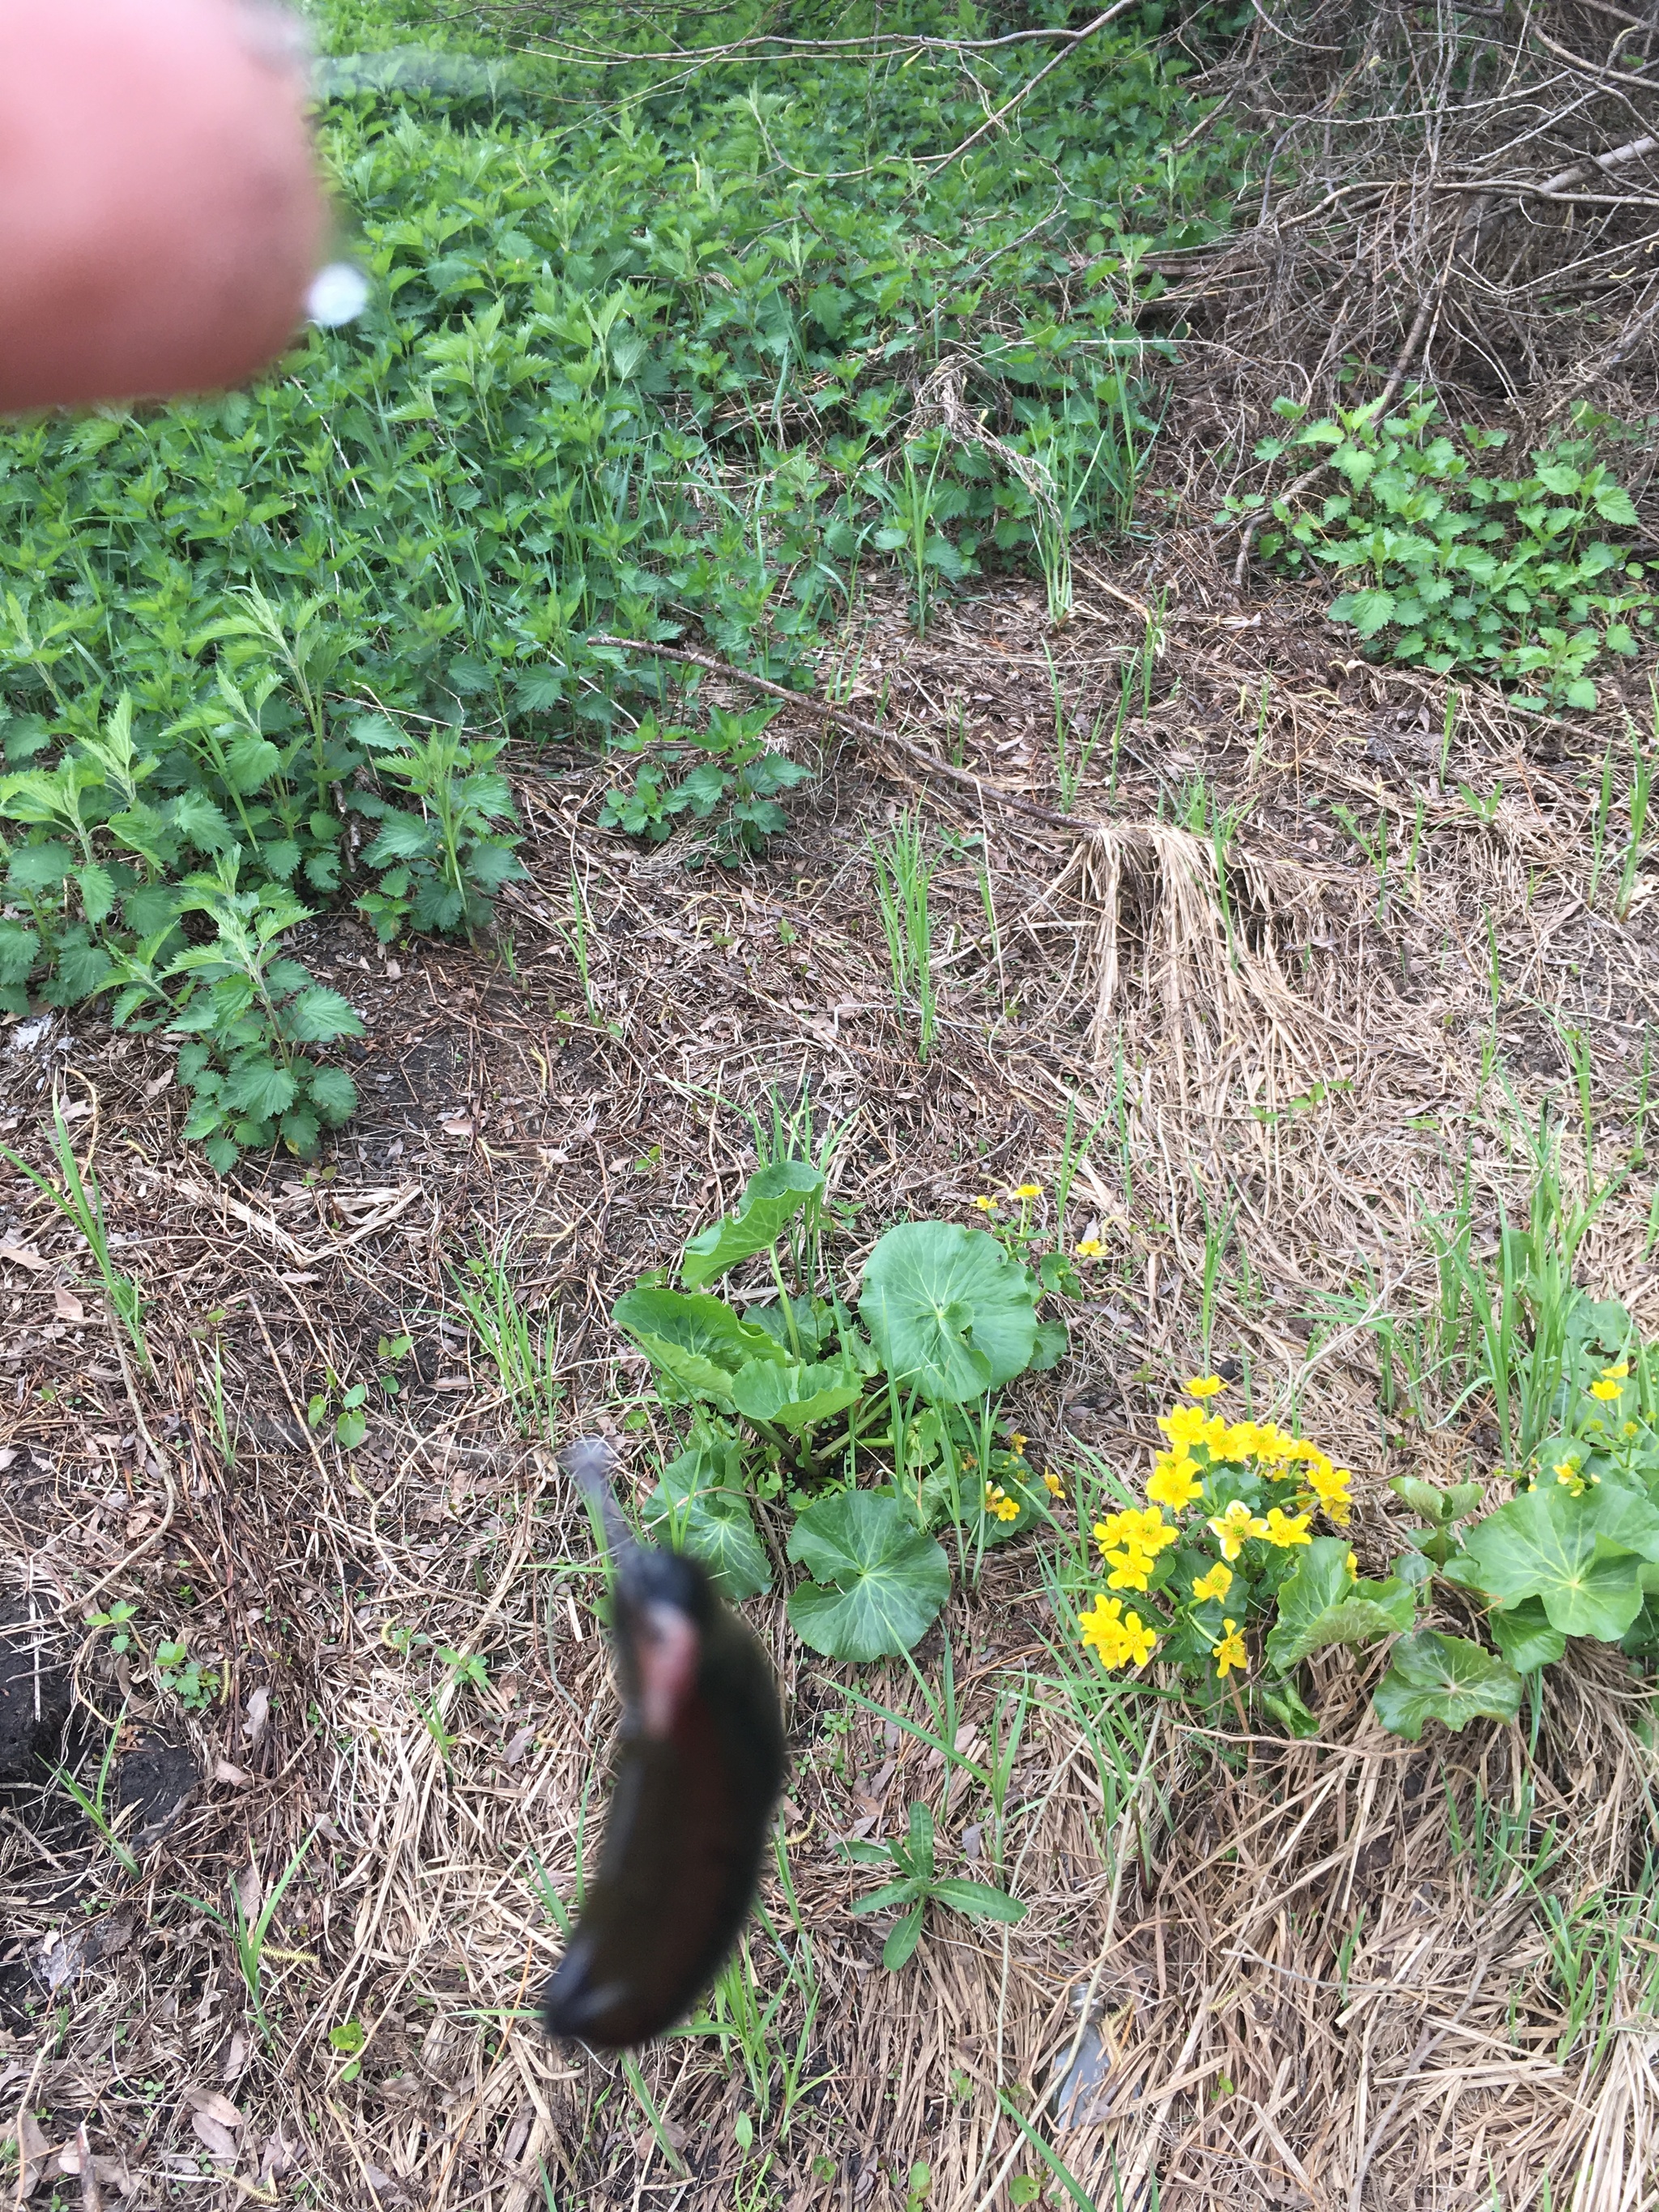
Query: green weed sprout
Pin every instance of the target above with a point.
(918, 1886)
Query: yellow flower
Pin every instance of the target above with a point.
(1282, 1531)
(1617, 1373)
(1242, 1441)
(1184, 1425)
(1016, 1442)
(1353, 1566)
(1203, 1386)
(1271, 1443)
(1629, 1429)
(1053, 1485)
(998, 1501)
(1138, 1640)
(1090, 1248)
(1028, 1190)
(1330, 1485)
(1102, 1628)
(1141, 1529)
(1607, 1390)
(1216, 1583)
(1176, 1481)
(1230, 1651)
(1117, 1636)
(1234, 1528)
(1129, 1570)
(986, 1205)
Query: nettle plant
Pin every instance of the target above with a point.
(1446, 566)
(723, 779)
(876, 1427)
(1221, 1576)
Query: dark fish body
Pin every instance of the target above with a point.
(702, 1761)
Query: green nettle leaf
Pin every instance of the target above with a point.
(770, 1203)
(402, 838)
(699, 1505)
(333, 1094)
(97, 891)
(261, 1088)
(696, 1340)
(794, 1397)
(319, 1014)
(1522, 1634)
(1547, 1544)
(1443, 1677)
(950, 1313)
(1322, 1604)
(877, 1583)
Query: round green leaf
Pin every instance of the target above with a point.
(699, 1342)
(1321, 1604)
(950, 1313)
(878, 1580)
(1443, 1677)
(794, 1396)
(1522, 1634)
(699, 1505)
(1548, 1544)
(770, 1201)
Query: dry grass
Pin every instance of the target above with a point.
(1314, 1975)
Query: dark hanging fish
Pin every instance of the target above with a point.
(702, 1762)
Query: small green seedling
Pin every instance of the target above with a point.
(918, 1887)
(344, 1407)
(116, 1618)
(348, 2038)
(196, 1686)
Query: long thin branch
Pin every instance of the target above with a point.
(840, 718)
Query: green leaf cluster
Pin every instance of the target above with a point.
(628, 367)
(1527, 579)
(916, 1885)
(792, 1394)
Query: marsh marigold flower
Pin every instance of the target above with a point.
(1607, 1390)
(1090, 1248)
(998, 1501)
(1230, 1651)
(1184, 1425)
(1566, 1473)
(986, 1205)
(1203, 1386)
(1028, 1190)
(1234, 1528)
(1216, 1583)
(1118, 1637)
(1176, 1481)
(1053, 1485)
(1282, 1531)
(1353, 1566)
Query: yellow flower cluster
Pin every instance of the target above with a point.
(1566, 1473)
(997, 1501)
(1611, 1384)
(1130, 1542)
(1121, 1638)
(1198, 1442)
(1175, 1481)
(1091, 1248)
